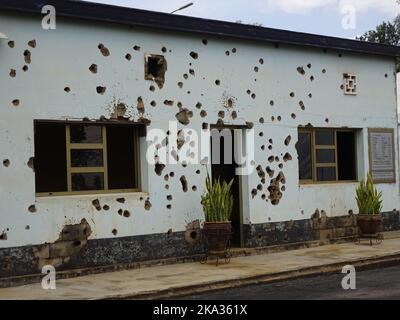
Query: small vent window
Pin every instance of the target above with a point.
(350, 84)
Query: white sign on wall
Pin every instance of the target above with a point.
(382, 155)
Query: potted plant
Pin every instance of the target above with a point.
(217, 202)
(369, 202)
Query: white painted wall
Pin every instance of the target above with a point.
(62, 58)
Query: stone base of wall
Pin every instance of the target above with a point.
(65, 255)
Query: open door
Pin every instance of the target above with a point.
(224, 167)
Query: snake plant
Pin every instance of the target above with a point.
(369, 200)
(217, 200)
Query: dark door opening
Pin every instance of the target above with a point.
(225, 169)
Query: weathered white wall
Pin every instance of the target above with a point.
(62, 58)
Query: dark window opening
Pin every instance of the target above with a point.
(304, 152)
(83, 157)
(122, 150)
(327, 155)
(346, 150)
(50, 158)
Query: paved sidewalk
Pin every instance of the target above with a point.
(186, 278)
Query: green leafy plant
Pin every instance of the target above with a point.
(369, 200)
(217, 200)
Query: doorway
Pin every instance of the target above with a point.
(223, 166)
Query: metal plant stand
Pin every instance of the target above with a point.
(225, 253)
(377, 237)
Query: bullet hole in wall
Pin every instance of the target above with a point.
(106, 207)
(292, 94)
(153, 103)
(126, 214)
(11, 44)
(323, 70)
(3, 235)
(217, 82)
(32, 208)
(301, 70)
(253, 96)
(271, 102)
(279, 118)
(234, 50)
(15, 102)
(96, 204)
(287, 157)
(386, 75)
(227, 52)
(194, 188)
(158, 168)
(31, 163)
(67, 89)
(120, 212)
(194, 55)
(168, 102)
(301, 104)
(203, 113)
(180, 84)
(221, 114)
(100, 90)
(152, 88)
(93, 68)
(128, 56)
(13, 73)
(293, 116)
(27, 56)
(184, 183)
(183, 116)
(204, 41)
(287, 140)
(163, 49)
(191, 71)
(271, 158)
(120, 200)
(25, 68)
(169, 197)
(253, 193)
(32, 43)
(147, 204)
(270, 172)
(104, 50)
(256, 69)
(6, 162)
(312, 78)
(261, 61)
(136, 48)
(27, 227)
(172, 174)
(114, 232)
(310, 95)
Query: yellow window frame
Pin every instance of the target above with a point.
(315, 147)
(103, 169)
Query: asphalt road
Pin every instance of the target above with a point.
(371, 284)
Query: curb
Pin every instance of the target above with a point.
(175, 292)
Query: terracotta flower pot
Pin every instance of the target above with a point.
(369, 224)
(217, 235)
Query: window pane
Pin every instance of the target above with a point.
(85, 134)
(86, 158)
(325, 155)
(326, 174)
(87, 181)
(324, 138)
(121, 157)
(346, 148)
(304, 153)
(50, 158)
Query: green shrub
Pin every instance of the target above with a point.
(217, 200)
(369, 200)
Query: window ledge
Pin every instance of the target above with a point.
(134, 195)
(327, 184)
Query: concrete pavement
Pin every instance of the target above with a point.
(189, 278)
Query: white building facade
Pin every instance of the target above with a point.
(79, 102)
